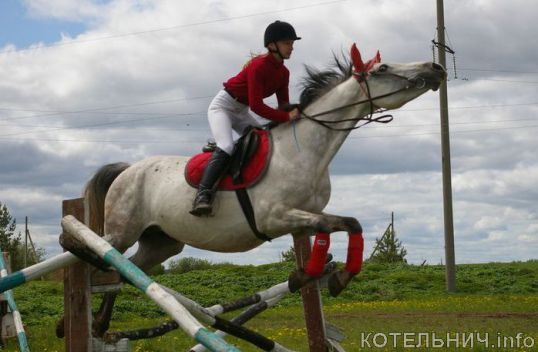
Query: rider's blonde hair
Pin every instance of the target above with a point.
(252, 56)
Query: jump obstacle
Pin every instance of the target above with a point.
(8, 295)
(184, 311)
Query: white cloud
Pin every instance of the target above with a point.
(111, 92)
(66, 10)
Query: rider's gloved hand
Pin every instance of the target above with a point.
(295, 114)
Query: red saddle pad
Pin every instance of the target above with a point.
(252, 171)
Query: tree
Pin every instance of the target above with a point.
(288, 256)
(9, 241)
(12, 243)
(389, 249)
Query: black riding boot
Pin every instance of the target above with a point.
(215, 169)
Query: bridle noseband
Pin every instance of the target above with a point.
(362, 77)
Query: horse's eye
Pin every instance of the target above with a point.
(383, 68)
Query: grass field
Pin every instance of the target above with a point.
(386, 305)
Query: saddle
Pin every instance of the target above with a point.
(247, 166)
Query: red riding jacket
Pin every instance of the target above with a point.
(262, 77)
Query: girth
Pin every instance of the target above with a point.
(244, 150)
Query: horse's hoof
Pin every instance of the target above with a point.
(338, 282)
(99, 329)
(329, 268)
(298, 279)
(60, 332)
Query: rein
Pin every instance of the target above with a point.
(368, 119)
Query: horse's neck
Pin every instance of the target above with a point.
(316, 145)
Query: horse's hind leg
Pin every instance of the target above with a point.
(154, 247)
(122, 231)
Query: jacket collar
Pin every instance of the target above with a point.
(270, 58)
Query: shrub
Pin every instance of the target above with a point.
(184, 265)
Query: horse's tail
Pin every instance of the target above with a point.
(95, 193)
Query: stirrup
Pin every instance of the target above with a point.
(201, 209)
(202, 203)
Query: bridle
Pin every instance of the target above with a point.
(362, 77)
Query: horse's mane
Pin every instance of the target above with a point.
(318, 82)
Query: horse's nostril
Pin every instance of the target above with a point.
(437, 67)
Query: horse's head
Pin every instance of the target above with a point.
(392, 85)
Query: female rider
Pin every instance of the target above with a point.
(261, 77)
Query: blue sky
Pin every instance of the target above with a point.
(19, 28)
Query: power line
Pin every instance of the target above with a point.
(466, 79)
(457, 132)
(99, 110)
(95, 110)
(190, 128)
(452, 123)
(503, 80)
(103, 124)
(173, 115)
(451, 132)
(494, 106)
(200, 142)
(496, 70)
(162, 29)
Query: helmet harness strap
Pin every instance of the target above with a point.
(277, 51)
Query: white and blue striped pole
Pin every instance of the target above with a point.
(21, 334)
(36, 271)
(144, 283)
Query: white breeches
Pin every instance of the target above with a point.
(225, 115)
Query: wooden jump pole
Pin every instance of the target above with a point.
(312, 305)
(36, 271)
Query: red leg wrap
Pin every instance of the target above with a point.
(316, 263)
(354, 253)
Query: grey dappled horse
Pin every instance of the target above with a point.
(149, 201)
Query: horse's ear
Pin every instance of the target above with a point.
(376, 59)
(356, 59)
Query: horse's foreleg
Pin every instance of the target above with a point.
(324, 225)
(341, 278)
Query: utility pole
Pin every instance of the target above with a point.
(445, 146)
(25, 242)
(392, 221)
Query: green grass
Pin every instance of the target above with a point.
(500, 299)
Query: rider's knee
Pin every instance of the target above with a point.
(227, 147)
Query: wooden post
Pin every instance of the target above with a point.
(312, 305)
(77, 295)
(25, 260)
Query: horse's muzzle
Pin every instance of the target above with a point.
(431, 78)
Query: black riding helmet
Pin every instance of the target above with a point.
(277, 31)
